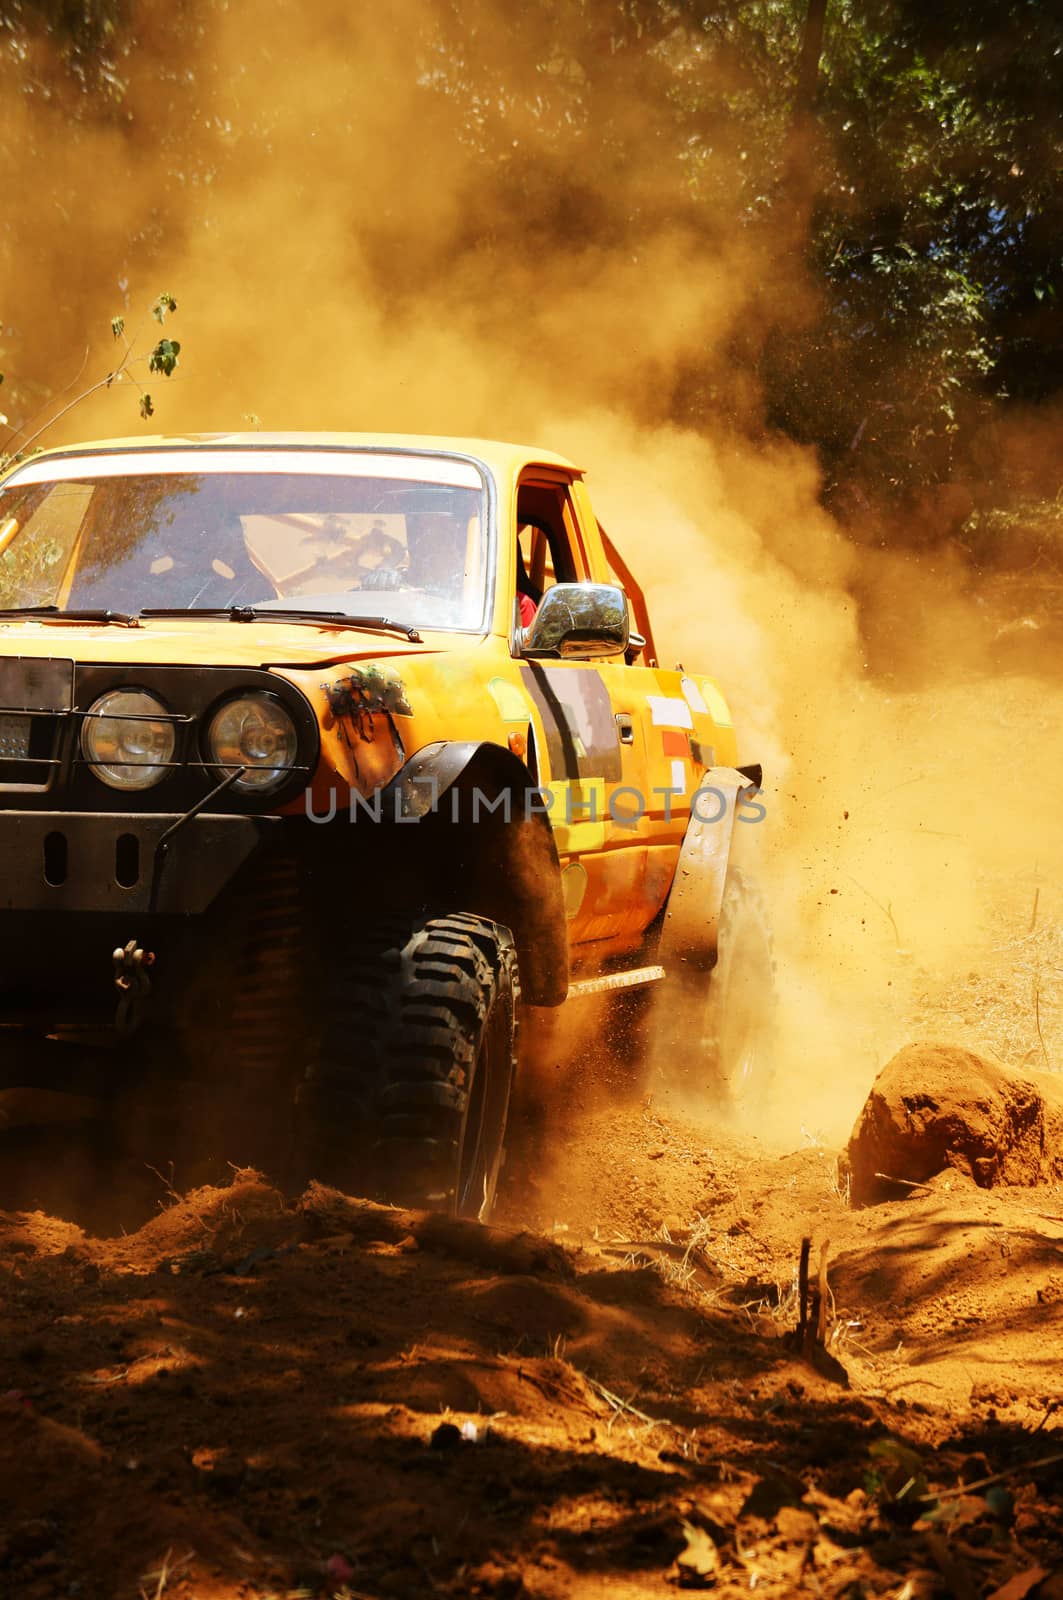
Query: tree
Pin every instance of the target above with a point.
(162, 361)
(860, 204)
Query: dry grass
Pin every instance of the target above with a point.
(1012, 1010)
(159, 1579)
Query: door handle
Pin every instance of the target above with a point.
(625, 727)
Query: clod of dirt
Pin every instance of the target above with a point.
(937, 1106)
(327, 1211)
(446, 1437)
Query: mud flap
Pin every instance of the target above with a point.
(690, 932)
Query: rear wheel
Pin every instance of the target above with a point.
(714, 1032)
(740, 1013)
(409, 1096)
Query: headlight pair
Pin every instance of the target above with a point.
(128, 739)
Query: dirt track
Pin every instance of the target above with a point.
(243, 1398)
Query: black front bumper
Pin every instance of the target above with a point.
(122, 862)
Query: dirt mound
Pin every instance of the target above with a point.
(937, 1106)
(244, 1399)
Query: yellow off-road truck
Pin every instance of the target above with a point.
(324, 758)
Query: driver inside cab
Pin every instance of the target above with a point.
(437, 542)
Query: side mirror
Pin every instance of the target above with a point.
(578, 619)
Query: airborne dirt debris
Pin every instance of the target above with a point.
(246, 1397)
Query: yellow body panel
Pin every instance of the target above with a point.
(618, 836)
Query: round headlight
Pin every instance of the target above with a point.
(127, 739)
(256, 733)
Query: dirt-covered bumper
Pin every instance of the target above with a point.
(116, 861)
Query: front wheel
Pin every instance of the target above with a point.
(409, 1097)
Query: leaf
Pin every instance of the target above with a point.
(164, 357)
(164, 303)
(954, 1514)
(117, 327)
(699, 1563)
(898, 1472)
(146, 408)
(1000, 1503)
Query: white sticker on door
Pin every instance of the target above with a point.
(667, 711)
(693, 695)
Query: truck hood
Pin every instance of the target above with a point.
(212, 642)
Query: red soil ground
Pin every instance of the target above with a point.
(598, 1396)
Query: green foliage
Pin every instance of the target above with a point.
(889, 229)
(1025, 534)
(86, 35)
(896, 1478)
(908, 229)
(164, 357)
(163, 360)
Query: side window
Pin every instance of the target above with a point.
(545, 519)
(538, 570)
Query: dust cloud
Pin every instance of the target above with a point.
(904, 855)
(305, 181)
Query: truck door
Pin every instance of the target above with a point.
(594, 757)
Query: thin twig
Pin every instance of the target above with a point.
(164, 1573)
(102, 383)
(887, 910)
(802, 1291)
(1053, 1407)
(905, 1183)
(124, 367)
(824, 1289)
(13, 433)
(167, 1183)
(625, 1405)
(996, 1477)
(1037, 1020)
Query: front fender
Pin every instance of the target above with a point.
(420, 784)
(477, 800)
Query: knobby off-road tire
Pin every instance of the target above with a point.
(219, 1079)
(409, 1096)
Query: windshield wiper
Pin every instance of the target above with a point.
(60, 614)
(327, 619)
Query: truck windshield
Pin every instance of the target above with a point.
(353, 532)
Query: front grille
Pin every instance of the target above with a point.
(29, 749)
(52, 774)
(36, 694)
(14, 737)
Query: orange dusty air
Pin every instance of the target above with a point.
(344, 748)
